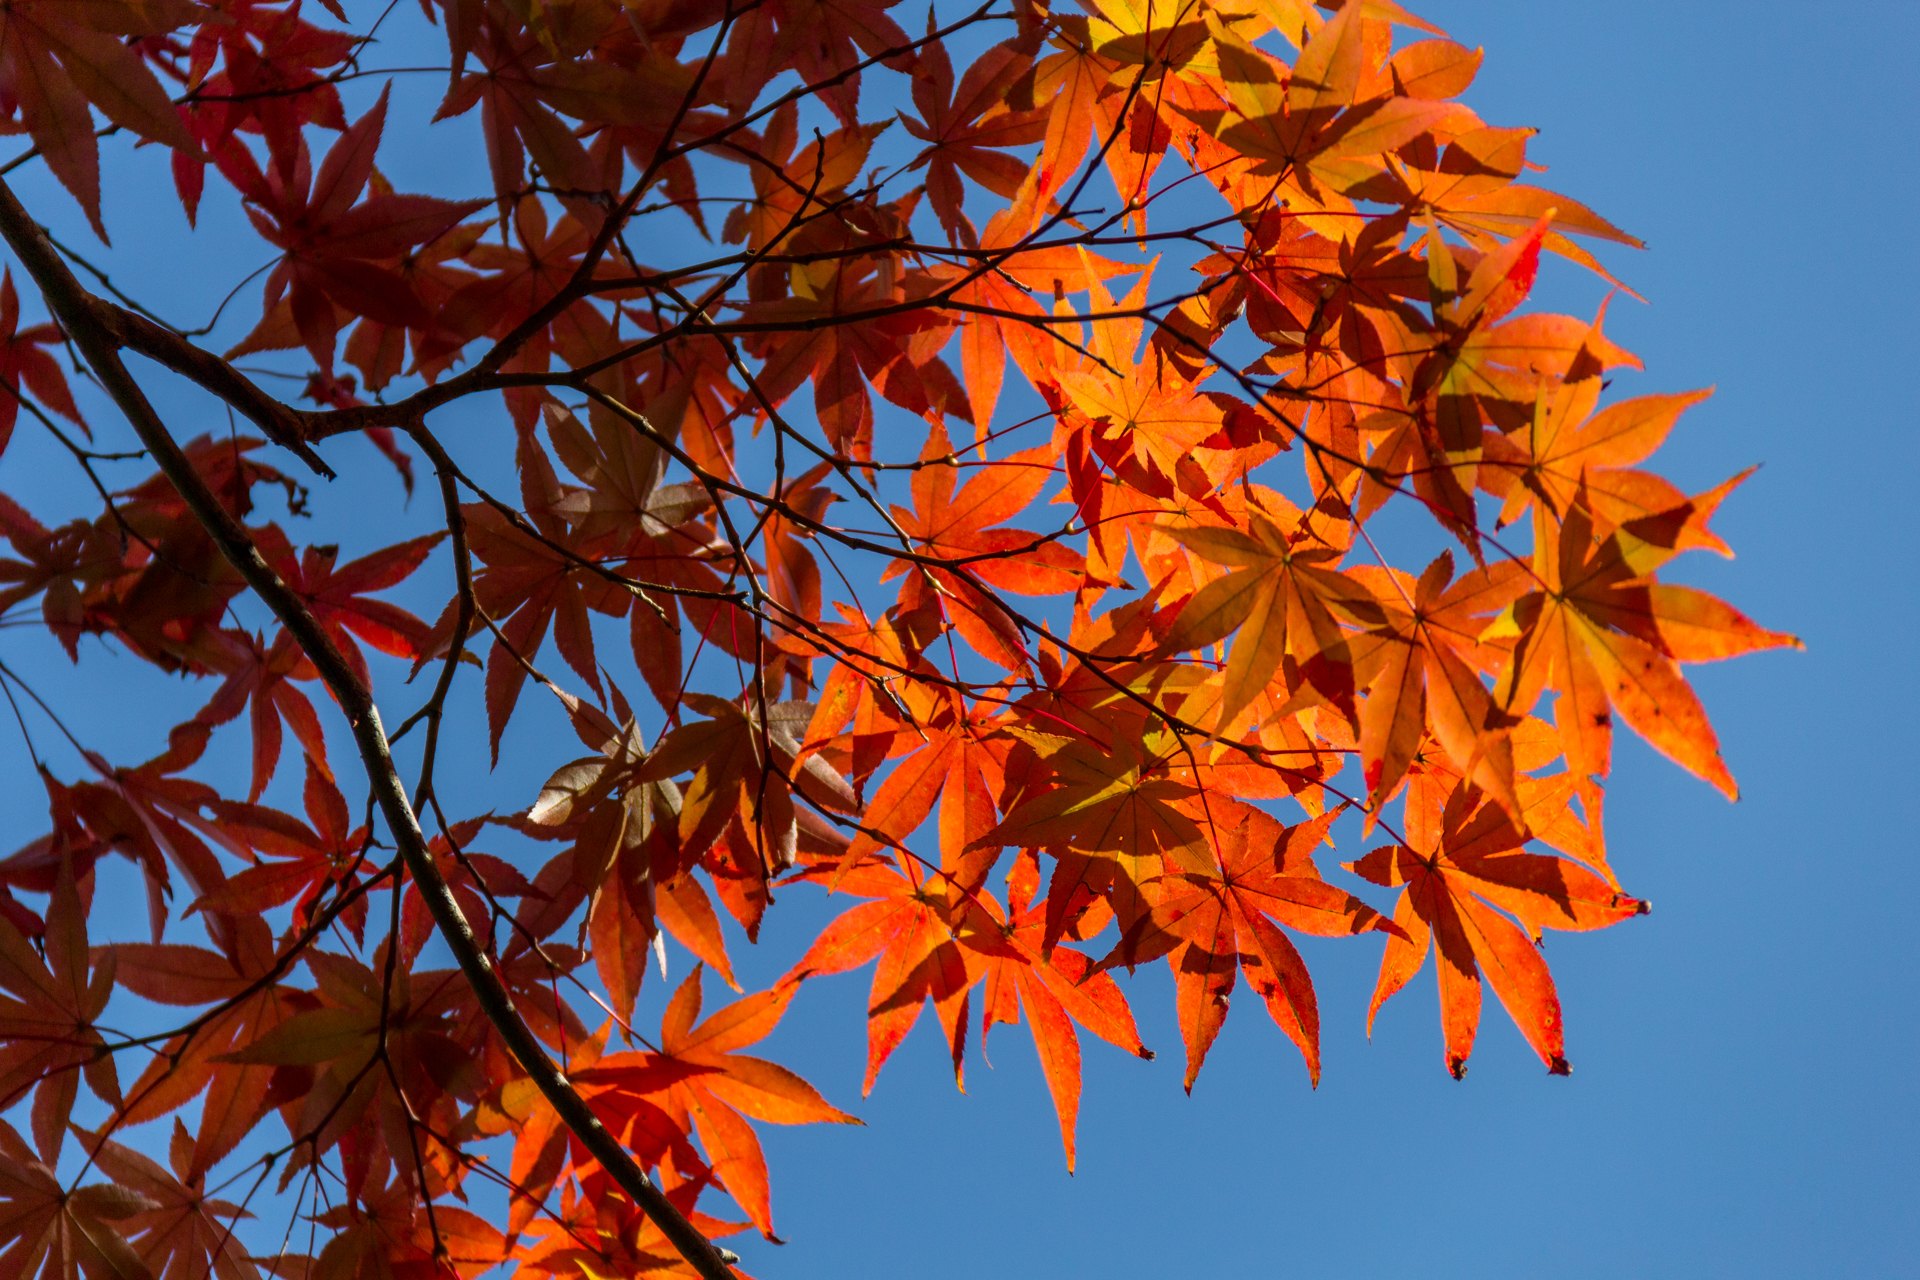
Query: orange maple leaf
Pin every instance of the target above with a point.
(1465, 862)
(1605, 635)
(1216, 925)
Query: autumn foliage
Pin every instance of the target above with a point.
(1032, 477)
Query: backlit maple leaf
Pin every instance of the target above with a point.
(1606, 636)
(1285, 597)
(968, 126)
(49, 1232)
(707, 1086)
(1213, 926)
(1422, 665)
(1465, 862)
(250, 1005)
(59, 59)
(907, 924)
(47, 1016)
(1056, 988)
(185, 1234)
(341, 254)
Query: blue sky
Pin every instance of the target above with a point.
(1743, 1100)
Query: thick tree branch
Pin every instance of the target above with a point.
(283, 424)
(99, 341)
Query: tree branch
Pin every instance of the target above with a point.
(284, 424)
(98, 339)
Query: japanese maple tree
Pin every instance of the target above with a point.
(948, 466)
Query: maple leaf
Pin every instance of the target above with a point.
(822, 40)
(966, 127)
(260, 678)
(58, 565)
(185, 1233)
(1285, 598)
(1137, 34)
(706, 1085)
(1448, 385)
(157, 818)
(1112, 654)
(1055, 987)
(747, 760)
(544, 1147)
(796, 183)
(957, 528)
(1144, 411)
(1309, 124)
(1434, 68)
(58, 60)
(625, 861)
(860, 328)
(334, 596)
(1459, 870)
(1480, 370)
(1114, 813)
(56, 1234)
(961, 765)
(1002, 316)
(1606, 636)
(1469, 186)
(332, 1049)
(1216, 925)
(792, 570)
(959, 524)
(1569, 450)
(1428, 660)
(384, 1235)
(47, 1016)
(519, 72)
(529, 583)
(176, 586)
(340, 252)
(262, 69)
(513, 282)
(1072, 85)
(868, 699)
(1304, 292)
(1116, 71)
(907, 925)
(477, 880)
(659, 534)
(454, 1020)
(308, 859)
(248, 1005)
(594, 1234)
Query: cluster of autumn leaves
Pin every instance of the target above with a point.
(1042, 739)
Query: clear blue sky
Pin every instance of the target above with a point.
(1743, 1102)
